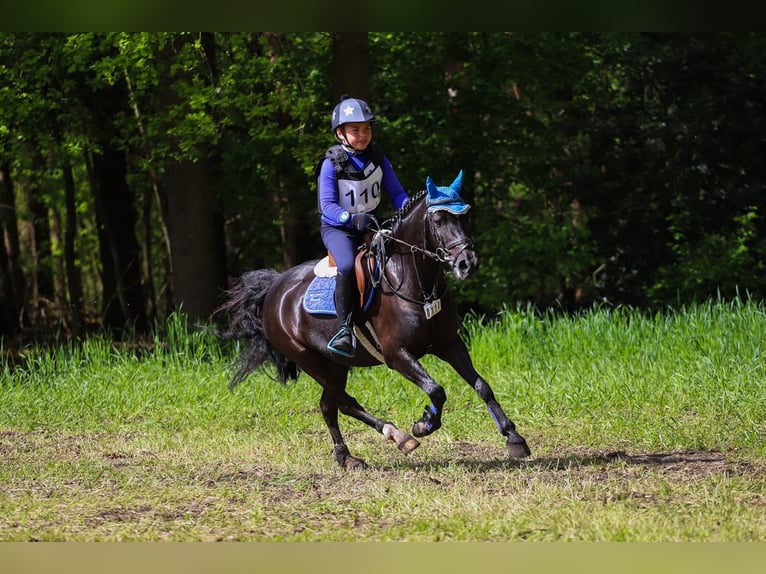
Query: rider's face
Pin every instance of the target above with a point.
(357, 134)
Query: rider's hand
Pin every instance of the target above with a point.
(363, 221)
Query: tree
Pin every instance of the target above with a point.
(350, 65)
(194, 215)
(140, 169)
(12, 285)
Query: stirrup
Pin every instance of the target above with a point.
(345, 330)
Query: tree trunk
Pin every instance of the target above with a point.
(350, 65)
(123, 304)
(196, 237)
(42, 277)
(194, 216)
(74, 281)
(8, 324)
(151, 195)
(11, 278)
(57, 264)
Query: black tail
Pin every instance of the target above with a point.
(244, 308)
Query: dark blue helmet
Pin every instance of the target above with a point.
(351, 110)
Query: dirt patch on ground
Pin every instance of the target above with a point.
(103, 486)
(46, 447)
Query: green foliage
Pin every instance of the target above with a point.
(272, 98)
(715, 262)
(600, 166)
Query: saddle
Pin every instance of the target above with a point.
(319, 296)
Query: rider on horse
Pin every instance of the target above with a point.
(349, 182)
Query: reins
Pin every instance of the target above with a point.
(381, 254)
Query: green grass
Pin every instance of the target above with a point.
(642, 427)
(687, 379)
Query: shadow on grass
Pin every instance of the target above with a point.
(478, 458)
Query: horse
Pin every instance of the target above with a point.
(411, 313)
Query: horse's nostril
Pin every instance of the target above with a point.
(465, 266)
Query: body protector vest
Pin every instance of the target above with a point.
(358, 189)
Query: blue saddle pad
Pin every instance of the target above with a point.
(318, 299)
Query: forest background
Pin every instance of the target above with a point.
(141, 172)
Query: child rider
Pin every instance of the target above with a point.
(351, 177)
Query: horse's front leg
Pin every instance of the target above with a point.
(460, 360)
(411, 368)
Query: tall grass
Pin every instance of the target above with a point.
(175, 386)
(691, 378)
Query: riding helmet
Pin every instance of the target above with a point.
(351, 110)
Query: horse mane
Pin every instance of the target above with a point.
(397, 217)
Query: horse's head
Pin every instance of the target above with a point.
(447, 227)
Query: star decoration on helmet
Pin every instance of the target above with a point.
(348, 110)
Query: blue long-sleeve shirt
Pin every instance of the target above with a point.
(327, 187)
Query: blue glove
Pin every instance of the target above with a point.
(363, 221)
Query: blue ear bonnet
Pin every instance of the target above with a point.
(446, 198)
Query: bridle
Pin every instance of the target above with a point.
(441, 254)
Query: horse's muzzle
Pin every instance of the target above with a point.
(465, 264)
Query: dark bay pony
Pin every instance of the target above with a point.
(412, 313)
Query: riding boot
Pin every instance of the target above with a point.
(343, 342)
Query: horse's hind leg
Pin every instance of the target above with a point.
(515, 443)
(335, 398)
(340, 451)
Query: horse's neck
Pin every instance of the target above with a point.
(418, 269)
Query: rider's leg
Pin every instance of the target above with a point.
(343, 244)
(344, 342)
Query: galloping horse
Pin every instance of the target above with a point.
(411, 313)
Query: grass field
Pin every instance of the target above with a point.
(642, 428)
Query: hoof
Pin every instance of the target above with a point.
(424, 428)
(518, 449)
(429, 422)
(345, 460)
(353, 463)
(420, 429)
(404, 442)
(408, 443)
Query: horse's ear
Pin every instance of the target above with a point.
(455, 185)
(431, 187)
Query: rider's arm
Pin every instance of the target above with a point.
(327, 189)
